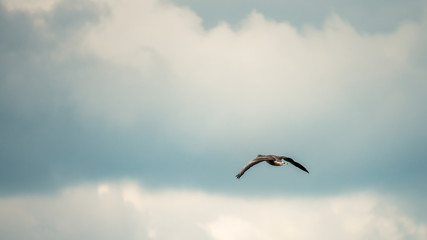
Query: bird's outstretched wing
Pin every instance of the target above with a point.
(249, 165)
(296, 164)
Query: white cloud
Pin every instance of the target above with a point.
(231, 227)
(255, 77)
(128, 211)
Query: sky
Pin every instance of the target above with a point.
(130, 119)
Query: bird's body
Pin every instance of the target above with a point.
(272, 160)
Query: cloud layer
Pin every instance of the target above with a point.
(127, 211)
(226, 81)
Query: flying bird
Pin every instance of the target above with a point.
(272, 160)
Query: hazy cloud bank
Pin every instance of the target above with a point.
(127, 211)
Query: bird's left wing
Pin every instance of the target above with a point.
(249, 165)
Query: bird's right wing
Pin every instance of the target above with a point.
(298, 165)
(249, 165)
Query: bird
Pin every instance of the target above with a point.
(272, 160)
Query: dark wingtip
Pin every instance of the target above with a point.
(305, 170)
(298, 165)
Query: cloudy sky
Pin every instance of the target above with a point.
(129, 119)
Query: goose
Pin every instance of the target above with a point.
(272, 160)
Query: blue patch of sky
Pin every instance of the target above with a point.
(365, 16)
